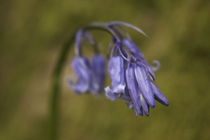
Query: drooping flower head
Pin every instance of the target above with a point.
(90, 75)
(132, 78)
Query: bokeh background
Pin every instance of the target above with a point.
(31, 36)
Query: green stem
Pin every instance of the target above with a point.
(55, 96)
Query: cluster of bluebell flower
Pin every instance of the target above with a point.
(132, 78)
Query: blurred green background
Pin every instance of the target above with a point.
(32, 33)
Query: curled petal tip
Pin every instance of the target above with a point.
(119, 89)
(157, 67)
(110, 95)
(78, 87)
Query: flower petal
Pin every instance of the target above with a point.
(133, 48)
(98, 73)
(116, 72)
(81, 67)
(139, 56)
(158, 94)
(132, 88)
(111, 95)
(79, 87)
(144, 105)
(144, 85)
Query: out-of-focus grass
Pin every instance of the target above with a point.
(31, 35)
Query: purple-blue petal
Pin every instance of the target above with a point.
(116, 72)
(144, 105)
(133, 48)
(144, 85)
(79, 87)
(81, 67)
(126, 97)
(159, 95)
(98, 73)
(110, 94)
(139, 56)
(132, 88)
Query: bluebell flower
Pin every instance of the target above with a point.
(82, 69)
(116, 72)
(132, 77)
(90, 76)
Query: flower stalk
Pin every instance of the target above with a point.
(55, 93)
